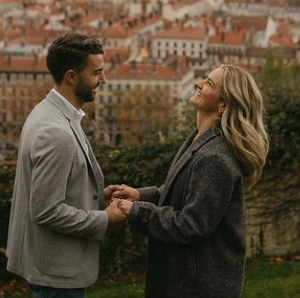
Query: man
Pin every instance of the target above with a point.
(58, 214)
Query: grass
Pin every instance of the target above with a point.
(135, 290)
(263, 280)
(266, 280)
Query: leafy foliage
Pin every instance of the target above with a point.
(281, 89)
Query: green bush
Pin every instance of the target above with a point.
(7, 174)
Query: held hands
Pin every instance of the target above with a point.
(126, 192)
(119, 200)
(115, 215)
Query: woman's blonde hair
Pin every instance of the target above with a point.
(242, 121)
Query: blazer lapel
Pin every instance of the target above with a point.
(183, 148)
(185, 157)
(84, 144)
(76, 128)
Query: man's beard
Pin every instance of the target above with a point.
(84, 92)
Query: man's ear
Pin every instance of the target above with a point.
(71, 77)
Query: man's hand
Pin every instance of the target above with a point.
(115, 215)
(127, 193)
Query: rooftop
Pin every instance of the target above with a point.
(183, 33)
(148, 72)
(22, 64)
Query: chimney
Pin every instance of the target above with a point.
(9, 59)
(181, 26)
(36, 60)
(222, 36)
(174, 63)
(153, 69)
(113, 62)
(144, 7)
(118, 59)
(160, 8)
(133, 64)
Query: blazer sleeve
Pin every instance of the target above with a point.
(209, 191)
(151, 194)
(52, 159)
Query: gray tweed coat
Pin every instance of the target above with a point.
(195, 223)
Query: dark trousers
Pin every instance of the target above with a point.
(46, 292)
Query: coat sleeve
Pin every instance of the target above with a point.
(209, 191)
(52, 158)
(151, 194)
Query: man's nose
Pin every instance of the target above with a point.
(102, 78)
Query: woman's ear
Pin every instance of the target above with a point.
(222, 108)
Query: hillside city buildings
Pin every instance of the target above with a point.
(149, 45)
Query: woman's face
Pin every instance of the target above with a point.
(208, 93)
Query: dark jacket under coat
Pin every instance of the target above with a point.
(195, 223)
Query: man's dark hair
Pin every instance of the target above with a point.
(71, 51)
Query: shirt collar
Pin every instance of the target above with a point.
(79, 113)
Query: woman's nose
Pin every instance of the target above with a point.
(199, 85)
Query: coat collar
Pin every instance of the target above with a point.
(69, 113)
(205, 137)
(184, 155)
(72, 116)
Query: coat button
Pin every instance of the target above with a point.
(95, 197)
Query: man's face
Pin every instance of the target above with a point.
(90, 78)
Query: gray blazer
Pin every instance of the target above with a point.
(56, 222)
(195, 223)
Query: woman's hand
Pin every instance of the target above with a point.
(127, 192)
(125, 206)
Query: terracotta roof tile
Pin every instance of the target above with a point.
(233, 38)
(10, 2)
(118, 31)
(122, 54)
(182, 33)
(236, 1)
(26, 65)
(258, 23)
(181, 3)
(146, 72)
(282, 37)
(277, 3)
(259, 52)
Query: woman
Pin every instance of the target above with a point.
(196, 220)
